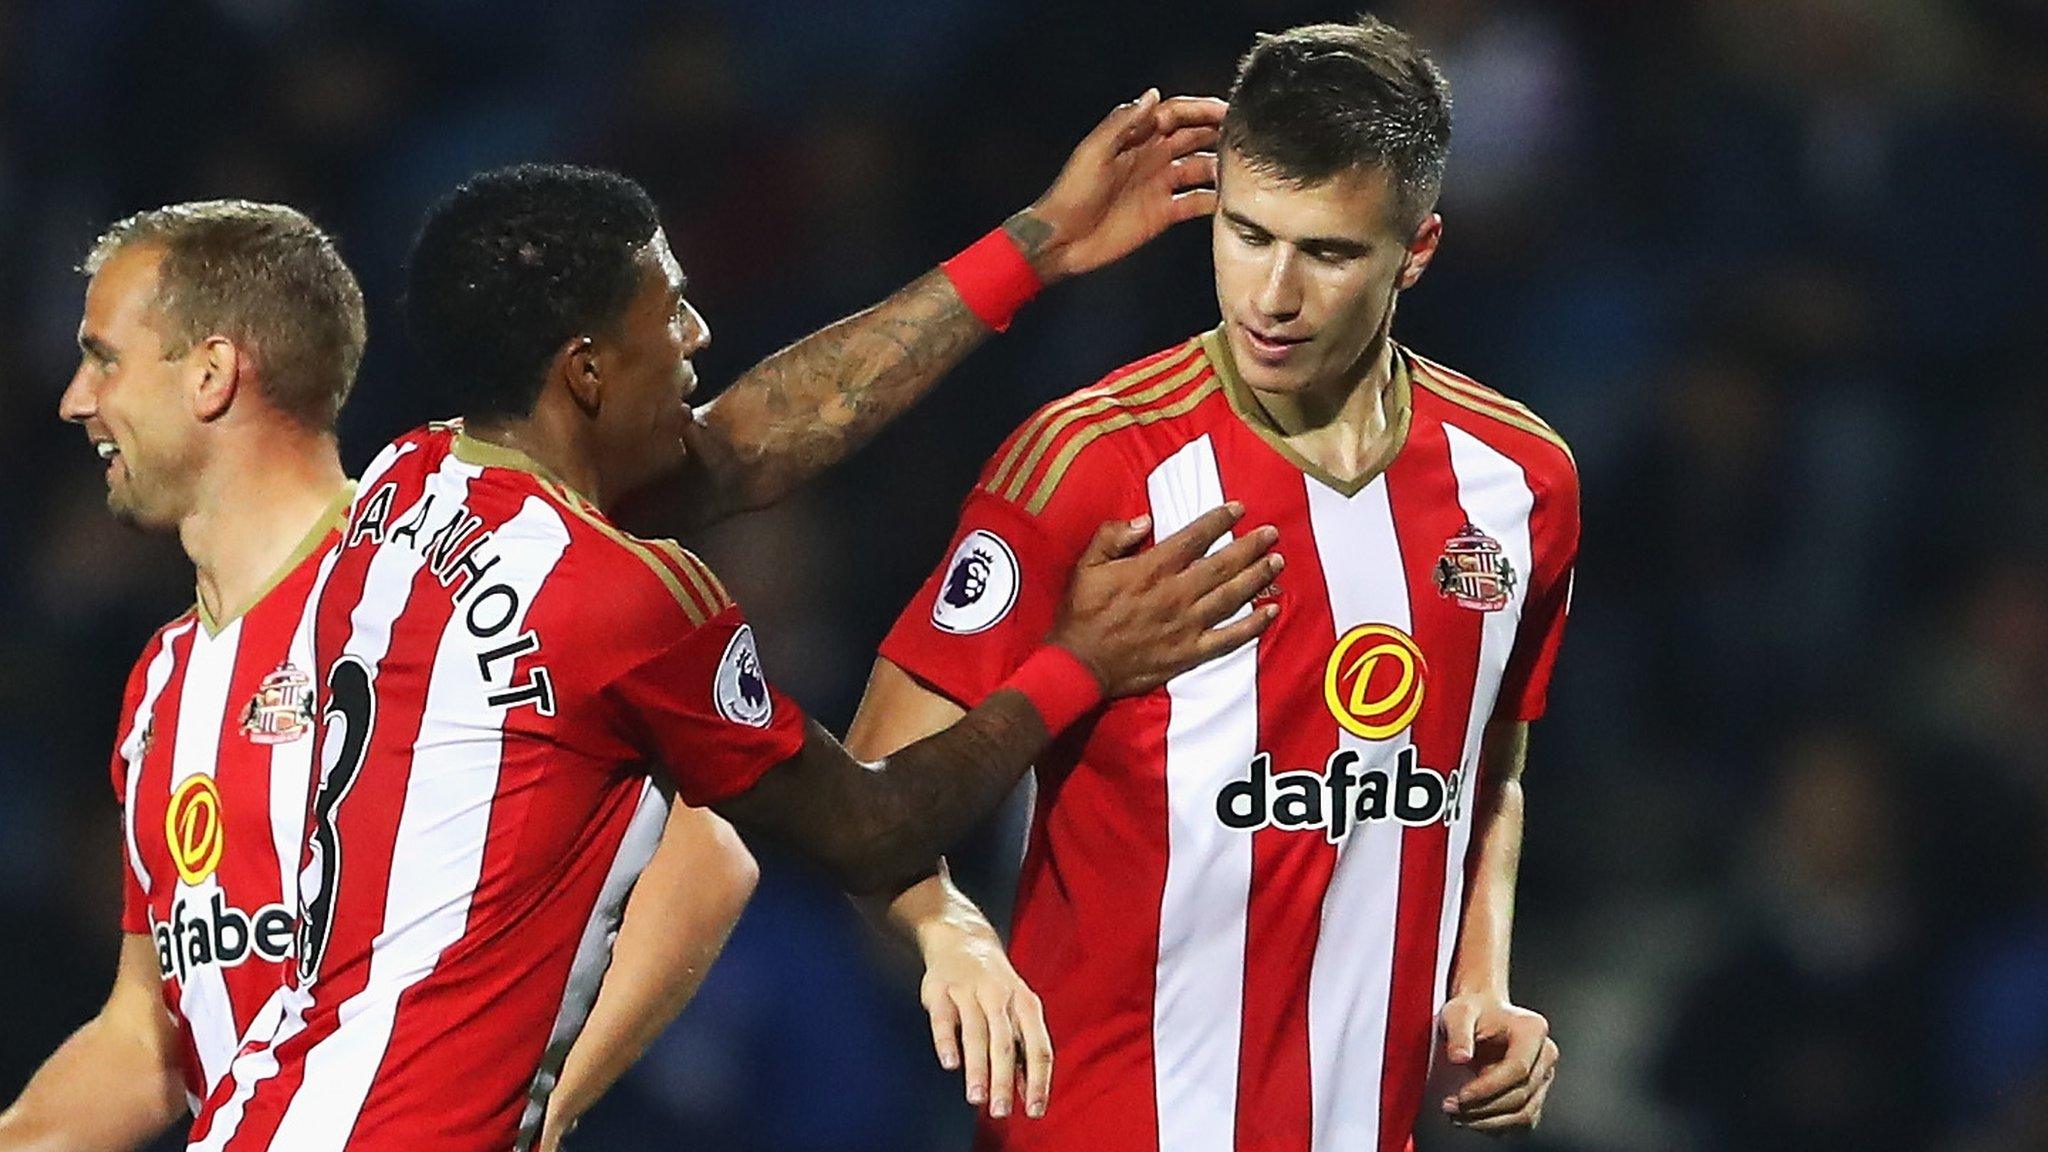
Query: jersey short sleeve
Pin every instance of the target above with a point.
(988, 604)
(702, 706)
(995, 593)
(1554, 540)
(134, 901)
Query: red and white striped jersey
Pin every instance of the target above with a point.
(1241, 891)
(211, 765)
(501, 671)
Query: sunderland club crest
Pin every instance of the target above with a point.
(282, 709)
(1473, 572)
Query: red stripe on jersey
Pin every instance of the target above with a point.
(1291, 870)
(1423, 491)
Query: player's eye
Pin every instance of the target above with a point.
(1253, 239)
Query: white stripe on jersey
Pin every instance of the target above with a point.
(283, 1015)
(134, 749)
(442, 829)
(593, 955)
(1351, 982)
(291, 763)
(1496, 498)
(202, 709)
(1212, 733)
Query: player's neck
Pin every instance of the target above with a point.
(550, 446)
(258, 503)
(1354, 425)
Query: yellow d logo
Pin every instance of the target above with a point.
(192, 828)
(1374, 681)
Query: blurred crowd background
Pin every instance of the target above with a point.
(1778, 269)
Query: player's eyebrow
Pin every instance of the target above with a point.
(1245, 222)
(94, 347)
(1333, 246)
(1343, 246)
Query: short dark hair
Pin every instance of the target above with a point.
(1315, 102)
(514, 263)
(264, 276)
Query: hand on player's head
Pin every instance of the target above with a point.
(1148, 165)
(1137, 619)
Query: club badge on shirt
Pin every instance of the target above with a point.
(1473, 572)
(282, 709)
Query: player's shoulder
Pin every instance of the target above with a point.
(167, 634)
(631, 580)
(1498, 420)
(1096, 439)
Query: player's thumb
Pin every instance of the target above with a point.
(1460, 1024)
(1115, 539)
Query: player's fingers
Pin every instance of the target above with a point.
(1234, 635)
(1186, 141)
(1192, 204)
(1029, 1014)
(1002, 1059)
(1520, 1120)
(1520, 1097)
(973, 1048)
(1194, 170)
(1188, 545)
(945, 1031)
(1500, 1104)
(1223, 602)
(1515, 1067)
(1229, 561)
(1115, 538)
(1189, 111)
(1131, 124)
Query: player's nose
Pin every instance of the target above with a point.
(78, 403)
(697, 330)
(1280, 295)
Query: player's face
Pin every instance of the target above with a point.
(648, 374)
(131, 398)
(1306, 277)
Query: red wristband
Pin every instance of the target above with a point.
(993, 278)
(1058, 685)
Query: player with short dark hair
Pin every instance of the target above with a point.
(503, 672)
(503, 270)
(1254, 899)
(218, 342)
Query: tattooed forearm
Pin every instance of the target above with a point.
(879, 828)
(815, 402)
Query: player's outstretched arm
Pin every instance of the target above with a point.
(114, 1085)
(984, 1017)
(676, 923)
(1506, 1047)
(1146, 167)
(1129, 623)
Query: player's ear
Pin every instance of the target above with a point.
(213, 375)
(1421, 249)
(580, 370)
